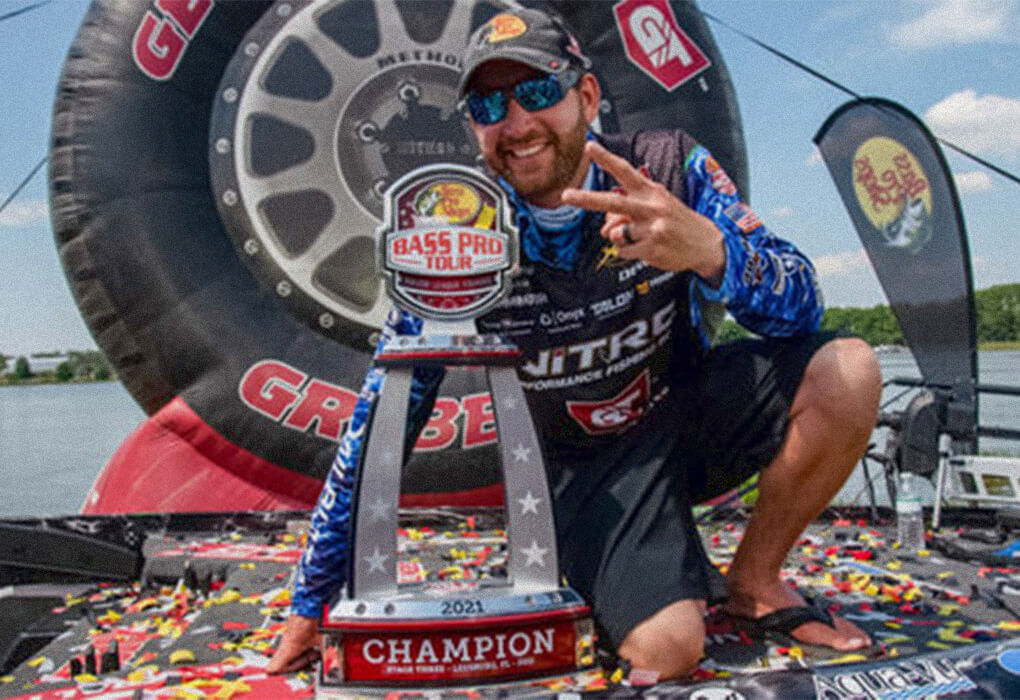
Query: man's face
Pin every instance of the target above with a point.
(538, 153)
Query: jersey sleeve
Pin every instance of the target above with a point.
(768, 286)
(322, 569)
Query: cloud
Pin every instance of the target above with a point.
(842, 264)
(782, 213)
(974, 181)
(23, 214)
(957, 22)
(814, 158)
(986, 124)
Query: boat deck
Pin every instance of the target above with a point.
(213, 596)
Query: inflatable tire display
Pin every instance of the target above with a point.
(215, 174)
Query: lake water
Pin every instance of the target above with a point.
(55, 438)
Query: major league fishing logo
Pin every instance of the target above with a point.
(447, 242)
(656, 44)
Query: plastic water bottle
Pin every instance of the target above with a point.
(909, 517)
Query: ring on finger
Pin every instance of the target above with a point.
(625, 232)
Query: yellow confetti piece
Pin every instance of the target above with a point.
(617, 676)
(847, 659)
(235, 537)
(893, 652)
(955, 623)
(949, 635)
(872, 590)
(893, 625)
(181, 656)
(912, 593)
(894, 565)
(945, 574)
(901, 639)
(232, 661)
(110, 617)
(247, 565)
(1011, 625)
(6, 679)
(938, 645)
(796, 653)
(36, 661)
(923, 553)
(85, 678)
(946, 610)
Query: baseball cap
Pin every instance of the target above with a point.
(525, 35)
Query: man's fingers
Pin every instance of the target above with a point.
(624, 173)
(601, 201)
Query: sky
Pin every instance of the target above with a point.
(952, 62)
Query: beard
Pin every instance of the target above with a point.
(567, 153)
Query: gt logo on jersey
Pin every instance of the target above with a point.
(656, 44)
(616, 413)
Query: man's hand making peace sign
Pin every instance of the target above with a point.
(646, 222)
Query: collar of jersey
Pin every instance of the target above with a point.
(558, 248)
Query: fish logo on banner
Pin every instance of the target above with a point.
(893, 192)
(446, 243)
(656, 44)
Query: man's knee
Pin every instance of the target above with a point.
(671, 642)
(843, 379)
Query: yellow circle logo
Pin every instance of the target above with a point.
(451, 201)
(893, 192)
(505, 26)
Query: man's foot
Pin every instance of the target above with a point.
(842, 635)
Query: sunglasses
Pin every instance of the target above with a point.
(533, 94)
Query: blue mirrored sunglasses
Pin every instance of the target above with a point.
(532, 94)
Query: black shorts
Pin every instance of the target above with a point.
(627, 538)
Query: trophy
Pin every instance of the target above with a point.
(446, 247)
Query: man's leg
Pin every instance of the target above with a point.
(671, 641)
(831, 420)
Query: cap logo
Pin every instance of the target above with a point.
(504, 27)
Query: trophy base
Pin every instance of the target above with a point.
(447, 641)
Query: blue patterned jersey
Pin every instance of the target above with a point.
(602, 338)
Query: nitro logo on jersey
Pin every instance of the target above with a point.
(615, 413)
(656, 44)
(636, 337)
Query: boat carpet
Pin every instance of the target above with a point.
(203, 619)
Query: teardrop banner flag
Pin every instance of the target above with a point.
(897, 187)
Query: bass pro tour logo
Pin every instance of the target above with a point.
(656, 44)
(446, 243)
(893, 192)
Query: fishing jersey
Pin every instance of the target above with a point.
(601, 338)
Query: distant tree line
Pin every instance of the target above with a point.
(998, 319)
(84, 365)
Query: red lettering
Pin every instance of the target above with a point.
(157, 47)
(188, 14)
(271, 387)
(400, 246)
(325, 405)
(441, 430)
(479, 420)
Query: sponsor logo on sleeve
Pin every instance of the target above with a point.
(656, 44)
(721, 182)
(741, 215)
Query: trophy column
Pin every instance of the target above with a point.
(445, 247)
